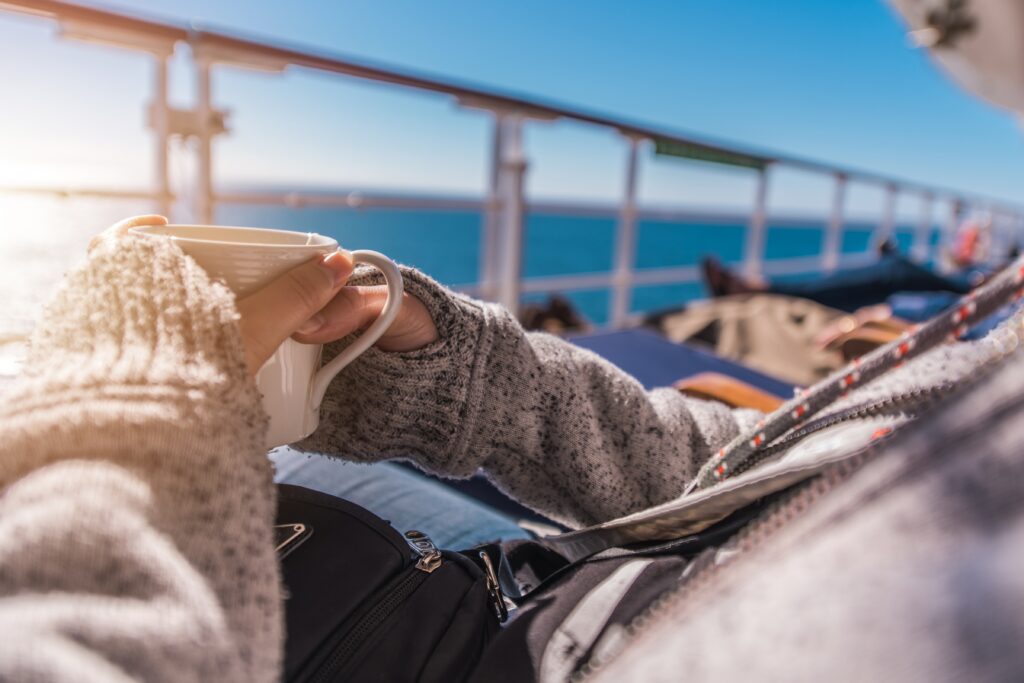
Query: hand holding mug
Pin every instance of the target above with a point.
(311, 304)
(292, 299)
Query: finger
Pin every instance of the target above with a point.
(121, 228)
(351, 309)
(354, 308)
(271, 314)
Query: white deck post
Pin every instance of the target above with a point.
(997, 242)
(834, 231)
(161, 133)
(489, 266)
(204, 162)
(947, 234)
(625, 245)
(511, 176)
(922, 235)
(888, 221)
(956, 210)
(753, 251)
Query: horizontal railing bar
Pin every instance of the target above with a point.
(555, 283)
(83, 13)
(645, 277)
(665, 276)
(98, 193)
(222, 44)
(810, 264)
(356, 199)
(353, 200)
(794, 266)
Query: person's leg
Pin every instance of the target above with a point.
(406, 499)
(854, 288)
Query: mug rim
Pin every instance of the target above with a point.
(153, 230)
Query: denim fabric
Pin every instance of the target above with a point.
(854, 288)
(407, 499)
(917, 307)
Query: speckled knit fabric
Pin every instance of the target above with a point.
(137, 504)
(555, 426)
(137, 501)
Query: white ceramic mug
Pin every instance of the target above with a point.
(292, 382)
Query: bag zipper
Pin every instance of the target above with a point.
(699, 576)
(494, 588)
(394, 594)
(430, 556)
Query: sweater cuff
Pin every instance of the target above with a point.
(138, 326)
(414, 405)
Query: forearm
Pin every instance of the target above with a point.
(133, 443)
(554, 425)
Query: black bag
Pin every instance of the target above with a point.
(356, 589)
(365, 603)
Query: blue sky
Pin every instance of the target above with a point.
(834, 81)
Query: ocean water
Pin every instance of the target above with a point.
(446, 244)
(41, 238)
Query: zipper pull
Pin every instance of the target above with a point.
(430, 556)
(494, 588)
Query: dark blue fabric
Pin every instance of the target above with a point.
(853, 288)
(657, 362)
(918, 307)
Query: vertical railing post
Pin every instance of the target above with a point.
(1016, 234)
(997, 242)
(834, 231)
(625, 244)
(160, 122)
(204, 161)
(922, 235)
(753, 251)
(947, 234)
(888, 221)
(489, 243)
(511, 176)
(956, 210)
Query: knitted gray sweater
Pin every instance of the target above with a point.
(137, 501)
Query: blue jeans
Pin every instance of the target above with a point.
(407, 499)
(853, 288)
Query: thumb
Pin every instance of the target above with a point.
(271, 314)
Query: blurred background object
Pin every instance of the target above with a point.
(977, 42)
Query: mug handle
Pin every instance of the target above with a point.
(393, 278)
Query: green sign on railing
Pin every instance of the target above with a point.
(715, 156)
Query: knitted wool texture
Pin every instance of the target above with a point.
(137, 501)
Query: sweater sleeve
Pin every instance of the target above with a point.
(553, 425)
(136, 502)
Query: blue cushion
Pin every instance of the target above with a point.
(657, 362)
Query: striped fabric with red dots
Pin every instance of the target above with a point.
(1006, 286)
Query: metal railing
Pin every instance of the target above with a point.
(505, 206)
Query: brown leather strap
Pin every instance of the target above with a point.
(735, 393)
